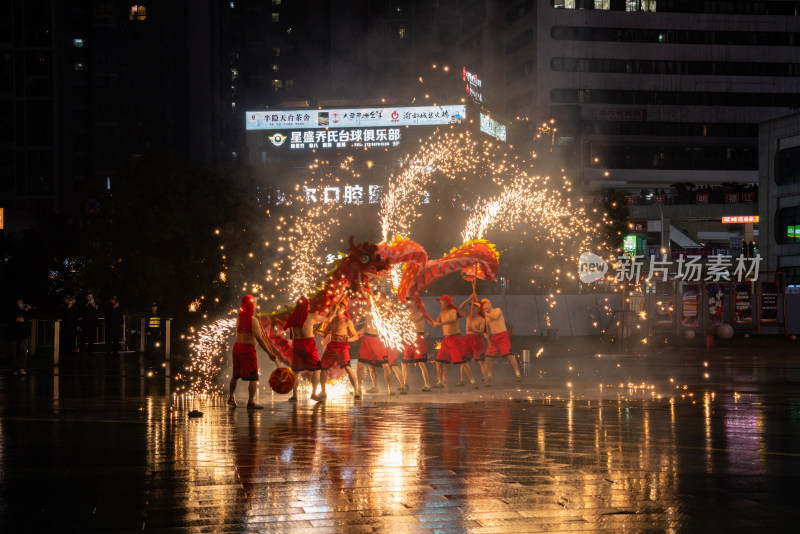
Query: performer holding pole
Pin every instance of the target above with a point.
(452, 349)
(499, 340)
(305, 357)
(375, 353)
(417, 352)
(245, 361)
(342, 332)
(476, 329)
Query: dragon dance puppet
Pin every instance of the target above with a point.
(367, 264)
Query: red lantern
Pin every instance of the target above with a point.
(282, 380)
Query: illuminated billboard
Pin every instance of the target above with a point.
(302, 119)
(337, 138)
(492, 127)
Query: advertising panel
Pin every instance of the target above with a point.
(337, 138)
(492, 127)
(690, 301)
(303, 119)
(663, 313)
(716, 304)
(743, 303)
(769, 302)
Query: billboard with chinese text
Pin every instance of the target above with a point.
(302, 119)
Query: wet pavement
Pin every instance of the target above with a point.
(679, 439)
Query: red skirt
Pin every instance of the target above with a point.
(304, 355)
(473, 346)
(452, 350)
(245, 363)
(499, 345)
(416, 352)
(372, 351)
(337, 352)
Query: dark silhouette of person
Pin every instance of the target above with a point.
(87, 324)
(19, 332)
(115, 321)
(69, 324)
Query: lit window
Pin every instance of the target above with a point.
(276, 85)
(138, 12)
(78, 43)
(276, 52)
(233, 5)
(402, 33)
(233, 105)
(234, 74)
(276, 17)
(276, 2)
(80, 67)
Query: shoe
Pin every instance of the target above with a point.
(293, 398)
(475, 385)
(232, 402)
(426, 389)
(23, 372)
(357, 395)
(403, 390)
(460, 383)
(438, 385)
(489, 381)
(519, 378)
(372, 390)
(316, 398)
(254, 406)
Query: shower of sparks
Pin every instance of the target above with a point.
(392, 321)
(207, 359)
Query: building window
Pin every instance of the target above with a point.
(276, 17)
(276, 2)
(78, 43)
(289, 84)
(138, 12)
(276, 52)
(276, 85)
(402, 33)
(787, 166)
(787, 226)
(233, 5)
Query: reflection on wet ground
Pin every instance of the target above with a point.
(681, 440)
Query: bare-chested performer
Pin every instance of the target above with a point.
(499, 341)
(342, 332)
(417, 352)
(452, 349)
(476, 329)
(245, 363)
(304, 348)
(375, 353)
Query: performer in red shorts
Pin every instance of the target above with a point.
(245, 363)
(342, 332)
(476, 329)
(417, 352)
(452, 349)
(499, 342)
(375, 353)
(304, 348)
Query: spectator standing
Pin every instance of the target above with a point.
(19, 332)
(154, 329)
(115, 320)
(69, 324)
(87, 324)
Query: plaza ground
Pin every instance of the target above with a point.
(670, 437)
